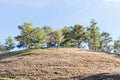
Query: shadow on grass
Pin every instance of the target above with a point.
(25, 52)
(102, 76)
(14, 53)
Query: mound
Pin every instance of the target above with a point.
(60, 64)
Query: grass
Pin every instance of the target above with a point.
(18, 78)
(12, 79)
(50, 64)
(36, 51)
(5, 79)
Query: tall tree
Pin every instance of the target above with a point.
(93, 36)
(117, 46)
(78, 34)
(26, 36)
(10, 43)
(1, 47)
(51, 42)
(58, 36)
(105, 40)
(66, 32)
(40, 37)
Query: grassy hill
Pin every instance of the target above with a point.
(59, 64)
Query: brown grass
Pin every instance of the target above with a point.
(61, 64)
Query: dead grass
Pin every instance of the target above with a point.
(51, 64)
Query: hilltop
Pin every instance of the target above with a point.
(60, 64)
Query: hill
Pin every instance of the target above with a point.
(60, 64)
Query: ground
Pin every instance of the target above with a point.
(60, 64)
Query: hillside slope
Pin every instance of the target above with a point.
(61, 64)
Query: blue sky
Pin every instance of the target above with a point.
(59, 13)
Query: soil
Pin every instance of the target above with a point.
(61, 64)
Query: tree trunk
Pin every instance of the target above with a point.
(79, 43)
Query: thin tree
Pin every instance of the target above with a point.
(117, 46)
(9, 43)
(78, 34)
(93, 36)
(105, 40)
(26, 36)
(67, 37)
(39, 38)
(58, 36)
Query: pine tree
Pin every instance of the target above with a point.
(47, 30)
(117, 46)
(1, 47)
(26, 36)
(105, 40)
(93, 36)
(39, 38)
(66, 32)
(78, 34)
(10, 43)
(58, 36)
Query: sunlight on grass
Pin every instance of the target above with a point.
(13, 79)
(35, 51)
(43, 50)
(5, 79)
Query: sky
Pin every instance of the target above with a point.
(59, 13)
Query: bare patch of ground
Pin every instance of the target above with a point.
(60, 64)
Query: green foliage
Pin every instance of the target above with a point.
(66, 32)
(10, 43)
(40, 37)
(93, 36)
(105, 40)
(58, 36)
(47, 29)
(1, 47)
(117, 46)
(74, 36)
(78, 34)
(110, 48)
(27, 33)
(30, 37)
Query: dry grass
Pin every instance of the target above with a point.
(59, 63)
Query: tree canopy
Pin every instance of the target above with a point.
(90, 37)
